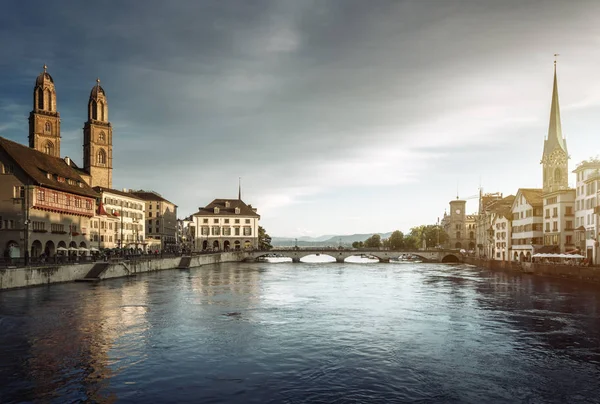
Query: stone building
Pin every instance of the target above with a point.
(454, 224)
(161, 219)
(45, 205)
(226, 224)
(484, 240)
(501, 228)
(97, 140)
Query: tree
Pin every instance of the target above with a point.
(429, 233)
(373, 242)
(410, 242)
(396, 240)
(357, 244)
(264, 240)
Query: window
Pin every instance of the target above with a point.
(49, 148)
(569, 240)
(237, 211)
(547, 226)
(226, 221)
(215, 220)
(101, 157)
(247, 231)
(216, 209)
(247, 221)
(39, 226)
(237, 231)
(554, 212)
(101, 137)
(216, 230)
(204, 220)
(41, 195)
(237, 221)
(48, 127)
(19, 192)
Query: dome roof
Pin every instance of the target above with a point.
(43, 77)
(96, 90)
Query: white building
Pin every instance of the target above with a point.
(120, 220)
(226, 224)
(502, 225)
(527, 223)
(586, 202)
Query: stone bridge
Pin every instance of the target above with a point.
(340, 255)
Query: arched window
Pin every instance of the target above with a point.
(101, 157)
(101, 137)
(47, 127)
(48, 100)
(101, 110)
(471, 235)
(94, 110)
(557, 175)
(457, 234)
(40, 98)
(49, 148)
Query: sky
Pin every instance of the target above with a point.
(340, 116)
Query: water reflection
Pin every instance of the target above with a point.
(259, 332)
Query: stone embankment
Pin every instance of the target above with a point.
(573, 272)
(11, 278)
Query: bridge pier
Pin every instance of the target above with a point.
(339, 260)
(294, 259)
(384, 260)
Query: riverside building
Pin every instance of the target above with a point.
(226, 224)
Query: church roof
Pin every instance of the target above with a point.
(43, 77)
(97, 89)
(39, 166)
(224, 210)
(555, 138)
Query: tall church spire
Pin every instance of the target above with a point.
(555, 157)
(555, 138)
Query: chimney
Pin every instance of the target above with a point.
(125, 190)
(68, 161)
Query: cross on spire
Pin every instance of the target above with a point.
(45, 67)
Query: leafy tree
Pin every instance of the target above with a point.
(396, 240)
(410, 242)
(264, 240)
(386, 243)
(429, 233)
(373, 242)
(358, 244)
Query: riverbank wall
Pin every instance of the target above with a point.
(11, 278)
(579, 273)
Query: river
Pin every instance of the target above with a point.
(304, 333)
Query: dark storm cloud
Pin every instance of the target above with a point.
(289, 94)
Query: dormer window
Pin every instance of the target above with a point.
(216, 210)
(227, 204)
(237, 211)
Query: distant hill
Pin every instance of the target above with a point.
(324, 241)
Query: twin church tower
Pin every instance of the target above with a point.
(44, 130)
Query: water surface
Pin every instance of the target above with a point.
(299, 333)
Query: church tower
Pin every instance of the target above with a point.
(555, 158)
(97, 140)
(44, 120)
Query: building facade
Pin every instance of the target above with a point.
(454, 225)
(161, 220)
(586, 208)
(484, 240)
(124, 215)
(226, 224)
(186, 233)
(527, 223)
(45, 206)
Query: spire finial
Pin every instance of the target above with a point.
(240, 188)
(555, 56)
(97, 81)
(45, 67)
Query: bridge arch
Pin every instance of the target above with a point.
(450, 259)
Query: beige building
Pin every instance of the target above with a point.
(501, 228)
(161, 220)
(454, 225)
(586, 209)
(186, 232)
(45, 205)
(226, 224)
(527, 223)
(484, 234)
(120, 220)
